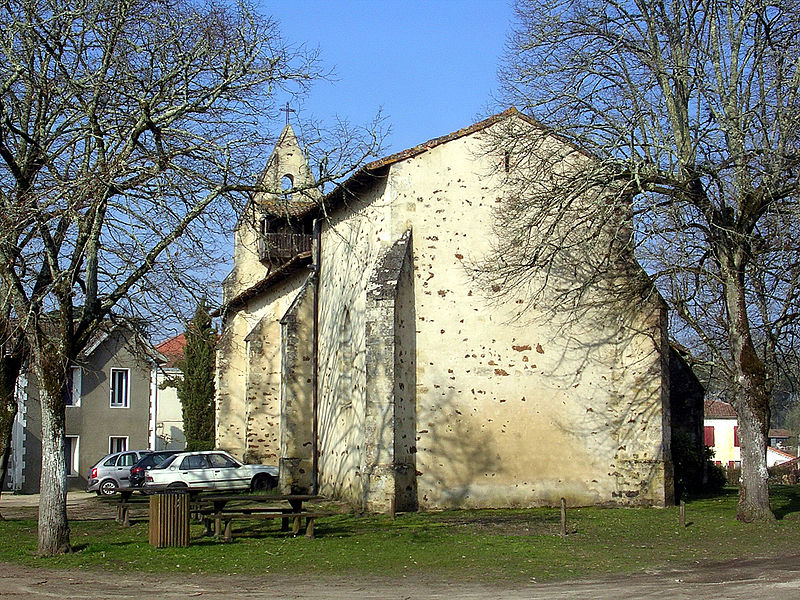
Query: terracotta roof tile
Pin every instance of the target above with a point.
(172, 349)
(777, 433)
(718, 409)
(289, 208)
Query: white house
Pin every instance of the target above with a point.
(721, 434)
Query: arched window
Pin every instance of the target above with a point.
(287, 182)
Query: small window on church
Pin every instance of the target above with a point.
(507, 161)
(286, 186)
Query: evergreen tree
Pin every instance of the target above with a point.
(196, 390)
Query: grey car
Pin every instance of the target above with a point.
(113, 471)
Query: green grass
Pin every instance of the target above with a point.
(508, 545)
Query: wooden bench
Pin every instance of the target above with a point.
(124, 502)
(223, 520)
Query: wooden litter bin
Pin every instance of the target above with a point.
(169, 520)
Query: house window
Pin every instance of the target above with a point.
(73, 394)
(708, 435)
(71, 443)
(119, 388)
(736, 436)
(117, 444)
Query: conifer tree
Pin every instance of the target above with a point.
(196, 390)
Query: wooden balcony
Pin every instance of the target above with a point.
(280, 247)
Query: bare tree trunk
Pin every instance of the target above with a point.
(53, 526)
(752, 408)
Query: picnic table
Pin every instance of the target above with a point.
(221, 508)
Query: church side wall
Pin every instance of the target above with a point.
(351, 243)
(248, 375)
(515, 407)
(297, 410)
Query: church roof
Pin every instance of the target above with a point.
(283, 208)
(430, 144)
(297, 262)
(371, 170)
(301, 209)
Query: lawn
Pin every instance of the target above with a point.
(508, 545)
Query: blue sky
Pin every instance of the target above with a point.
(431, 66)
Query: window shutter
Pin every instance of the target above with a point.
(708, 435)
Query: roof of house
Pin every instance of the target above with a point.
(718, 409)
(781, 453)
(173, 349)
(779, 433)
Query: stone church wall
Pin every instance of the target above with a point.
(430, 393)
(508, 410)
(248, 374)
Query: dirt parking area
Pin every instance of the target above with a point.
(81, 506)
(740, 580)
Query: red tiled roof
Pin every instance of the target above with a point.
(172, 349)
(779, 433)
(782, 453)
(718, 409)
(289, 208)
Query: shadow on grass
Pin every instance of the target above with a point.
(785, 500)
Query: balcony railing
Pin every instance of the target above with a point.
(280, 247)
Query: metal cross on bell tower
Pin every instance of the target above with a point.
(287, 110)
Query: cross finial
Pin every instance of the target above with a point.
(287, 110)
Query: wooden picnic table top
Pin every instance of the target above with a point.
(213, 496)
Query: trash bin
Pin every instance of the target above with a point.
(169, 520)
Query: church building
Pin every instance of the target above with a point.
(360, 353)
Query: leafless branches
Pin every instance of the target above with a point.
(689, 111)
(129, 130)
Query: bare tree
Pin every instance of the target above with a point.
(128, 131)
(689, 112)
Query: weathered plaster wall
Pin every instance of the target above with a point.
(509, 409)
(296, 412)
(248, 269)
(433, 394)
(351, 243)
(387, 463)
(248, 374)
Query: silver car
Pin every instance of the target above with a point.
(113, 471)
(212, 469)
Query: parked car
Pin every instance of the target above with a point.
(113, 471)
(147, 462)
(213, 469)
